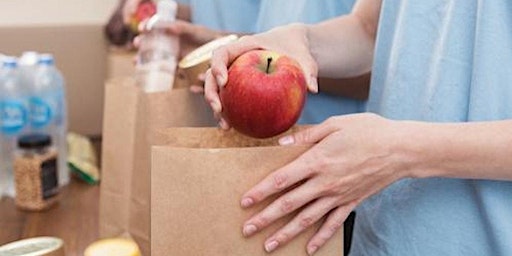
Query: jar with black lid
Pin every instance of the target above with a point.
(35, 173)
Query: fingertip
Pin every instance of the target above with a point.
(311, 249)
(223, 124)
(221, 79)
(313, 84)
(196, 89)
(286, 140)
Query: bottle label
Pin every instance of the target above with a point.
(13, 116)
(49, 178)
(40, 112)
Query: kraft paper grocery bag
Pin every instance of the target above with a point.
(197, 180)
(131, 118)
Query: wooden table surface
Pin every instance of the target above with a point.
(74, 219)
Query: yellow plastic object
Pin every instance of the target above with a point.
(38, 246)
(113, 247)
(82, 158)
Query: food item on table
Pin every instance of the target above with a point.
(113, 246)
(37, 246)
(264, 95)
(82, 159)
(35, 173)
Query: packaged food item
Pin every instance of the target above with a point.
(35, 173)
(113, 246)
(37, 246)
(82, 159)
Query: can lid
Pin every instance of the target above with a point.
(46, 59)
(34, 141)
(9, 62)
(38, 246)
(29, 58)
(113, 246)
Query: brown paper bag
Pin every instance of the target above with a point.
(131, 118)
(196, 187)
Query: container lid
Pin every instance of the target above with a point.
(113, 246)
(34, 141)
(46, 59)
(38, 246)
(29, 58)
(9, 62)
(205, 51)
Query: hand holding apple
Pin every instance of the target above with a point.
(291, 41)
(264, 94)
(143, 12)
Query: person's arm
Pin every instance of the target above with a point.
(343, 47)
(475, 150)
(356, 156)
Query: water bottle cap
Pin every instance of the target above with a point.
(166, 9)
(29, 58)
(10, 62)
(34, 141)
(46, 59)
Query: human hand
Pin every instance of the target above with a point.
(191, 35)
(354, 157)
(289, 40)
(129, 9)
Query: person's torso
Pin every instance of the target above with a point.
(440, 61)
(228, 15)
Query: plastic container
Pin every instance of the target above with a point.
(37, 246)
(35, 173)
(14, 114)
(158, 51)
(48, 109)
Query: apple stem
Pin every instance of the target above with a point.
(269, 59)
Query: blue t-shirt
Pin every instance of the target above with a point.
(227, 15)
(275, 13)
(440, 61)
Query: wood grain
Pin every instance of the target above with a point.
(74, 219)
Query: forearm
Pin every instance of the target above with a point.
(476, 150)
(343, 47)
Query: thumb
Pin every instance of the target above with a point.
(310, 135)
(310, 69)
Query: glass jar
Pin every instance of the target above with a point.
(35, 173)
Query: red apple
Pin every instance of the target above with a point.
(144, 11)
(264, 95)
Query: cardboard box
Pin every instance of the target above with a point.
(72, 30)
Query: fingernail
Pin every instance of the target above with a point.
(286, 140)
(313, 83)
(249, 229)
(272, 245)
(221, 80)
(312, 250)
(223, 124)
(216, 106)
(246, 202)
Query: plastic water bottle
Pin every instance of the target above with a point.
(27, 64)
(158, 51)
(14, 115)
(3, 171)
(49, 111)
